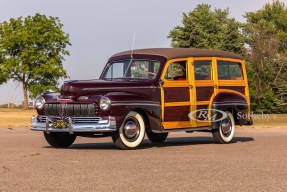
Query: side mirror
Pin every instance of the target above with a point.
(161, 82)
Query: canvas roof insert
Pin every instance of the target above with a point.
(172, 53)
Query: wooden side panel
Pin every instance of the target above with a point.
(201, 115)
(176, 94)
(240, 89)
(176, 113)
(204, 93)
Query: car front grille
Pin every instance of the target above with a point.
(71, 110)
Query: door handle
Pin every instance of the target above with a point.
(216, 86)
(191, 86)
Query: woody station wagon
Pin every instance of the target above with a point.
(150, 92)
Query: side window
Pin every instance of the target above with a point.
(222, 70)
(202, 70)
(176, 71)
(229, 70)
(235, 70)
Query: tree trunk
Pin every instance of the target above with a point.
(25, 91)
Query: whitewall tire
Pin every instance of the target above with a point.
(226, 131)
(131, 133)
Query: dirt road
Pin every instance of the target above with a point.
(256, 161)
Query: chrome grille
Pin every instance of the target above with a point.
(71, 109)
(43, 119)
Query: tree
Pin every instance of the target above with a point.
(3, 77)
(204, 28)
(32, 51)
(266, 32)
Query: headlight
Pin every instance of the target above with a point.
(40, 102)
(105, 103)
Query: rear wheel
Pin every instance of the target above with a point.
(226, 131)
(131, 133)
(60, 140)
(157, 137)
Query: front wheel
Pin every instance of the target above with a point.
(60, 140)
(226, 131)
(131, 133)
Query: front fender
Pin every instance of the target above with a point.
(49, 97)
(122, 103)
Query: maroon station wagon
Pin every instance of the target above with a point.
(150, 92)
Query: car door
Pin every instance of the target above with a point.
(205, 88)
(177, 94)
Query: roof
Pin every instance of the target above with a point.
(172, 53)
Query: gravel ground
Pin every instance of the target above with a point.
(256, 161)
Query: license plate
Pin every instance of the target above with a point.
(58, 124)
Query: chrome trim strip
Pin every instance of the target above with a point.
(143, 104)
(105, 88)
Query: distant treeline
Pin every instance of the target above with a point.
(11, 106)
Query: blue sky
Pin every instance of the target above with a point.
(99, 29)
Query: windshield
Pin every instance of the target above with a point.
(136, 69)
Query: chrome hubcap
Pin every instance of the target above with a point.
(131, 130)
(226, 126)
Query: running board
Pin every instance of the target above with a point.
(183, 129)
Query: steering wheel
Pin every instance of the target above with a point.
(150, 73)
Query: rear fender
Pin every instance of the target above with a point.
(232, 102)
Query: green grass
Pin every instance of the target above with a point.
(16, 117)
(271, 120)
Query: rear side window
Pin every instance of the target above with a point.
(202, 70)
(229, 70)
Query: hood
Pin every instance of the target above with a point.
(78, 88)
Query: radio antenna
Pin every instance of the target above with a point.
(131, 55)
(133, 45)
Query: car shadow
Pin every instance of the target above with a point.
(185, 141)
(170, 142)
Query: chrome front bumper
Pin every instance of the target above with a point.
(100, 126)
